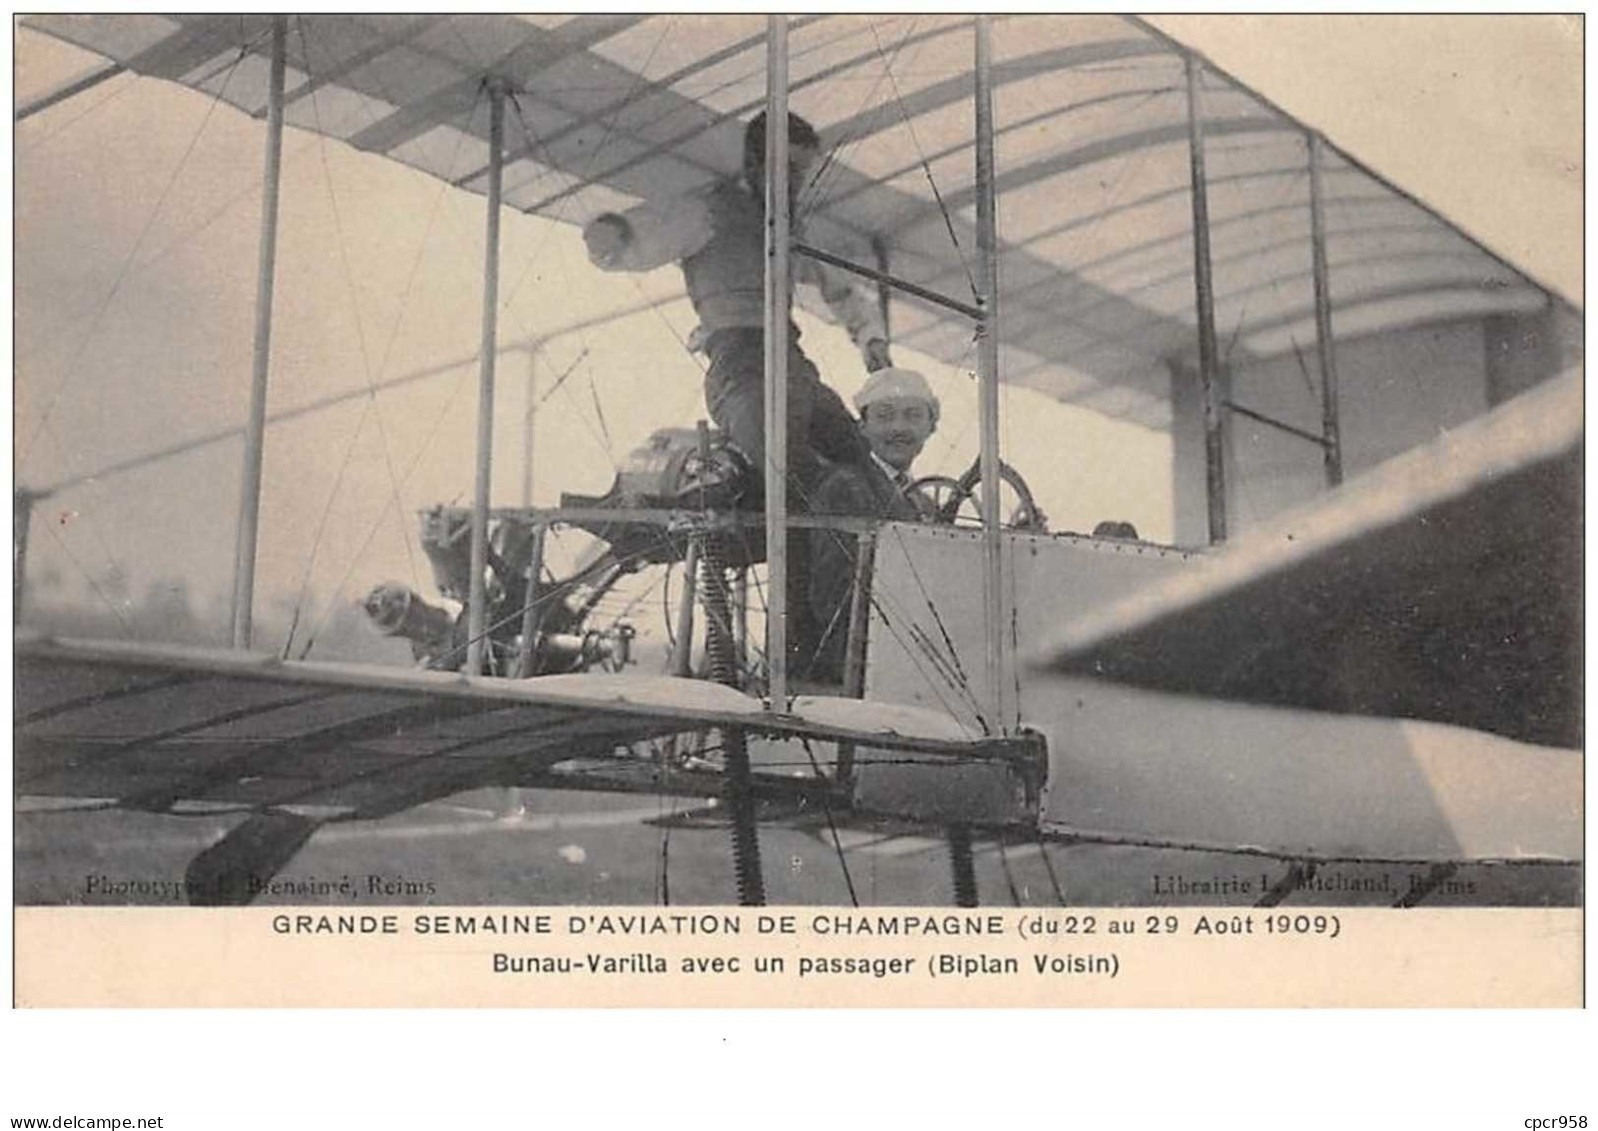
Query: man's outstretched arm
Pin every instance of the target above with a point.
(854, 307)
(648, 236)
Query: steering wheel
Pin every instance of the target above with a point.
(957, 502)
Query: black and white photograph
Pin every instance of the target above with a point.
(890, 468)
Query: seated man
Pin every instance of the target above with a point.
(898, 414)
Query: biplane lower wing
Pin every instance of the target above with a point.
(296, 746)
(1446, 586)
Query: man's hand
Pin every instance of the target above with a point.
(876, 355)
(607, 236)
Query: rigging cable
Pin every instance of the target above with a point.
(182, 242)
(953, 654)
(561, 380)
(122, 88)
(1048, 866)
(321, 528)
(179, 243)
(124, 271)
(699, 129)
(1006, 441)
(948, 220)
(829, 171)
(370, 401)
(449, 401)
(427, 442)
(127, 629)
(603, 437)
(891, 612)
(117, 89)
(881, 601)
(355, 309)
(92, 526)
(550, 166)
(832, 828)
(1009, 877)
(72, 367)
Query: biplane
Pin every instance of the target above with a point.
(1370, 694)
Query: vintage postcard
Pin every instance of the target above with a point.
(1158, 581)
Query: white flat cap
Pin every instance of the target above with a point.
(895, 382)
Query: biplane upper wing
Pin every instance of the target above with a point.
(1445, 585)
(295, 744)
(1092, 164)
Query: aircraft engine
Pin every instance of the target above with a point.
(397, 610)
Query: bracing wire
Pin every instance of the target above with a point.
(937, 195)
(1048, 866)
(321, 529)
(355, 309)
(732, 112)
(93, 526)
(127, 629)
(121, 88)
(72, 367)
(890, 613)
(832, 828)
(880, 601)
(184, 241)
(1009, 877)
(603, 437)
(117, 90)
(415, 464)
(371, 400)
(1050, 115)
(964, 683)
(377, 524)
(534, 145)
(830, 169)
(125, 270)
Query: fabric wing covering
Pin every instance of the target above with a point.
(174, 730)
(1092, 149)
(1441, 586)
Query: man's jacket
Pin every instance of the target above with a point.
(718, 238)
(862, 491)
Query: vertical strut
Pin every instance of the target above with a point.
(1204, 293)
(1331, 432)
(721, 651)
(532, 607)
(963, 865)
(681, 662)
(255, 427)
(477, 612)
(854, 654)
(988, 374)
(740, 617)
(776, 359)
(527, 424)
(22, 501)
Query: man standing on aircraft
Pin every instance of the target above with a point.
(718, 238)
(898, 414)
